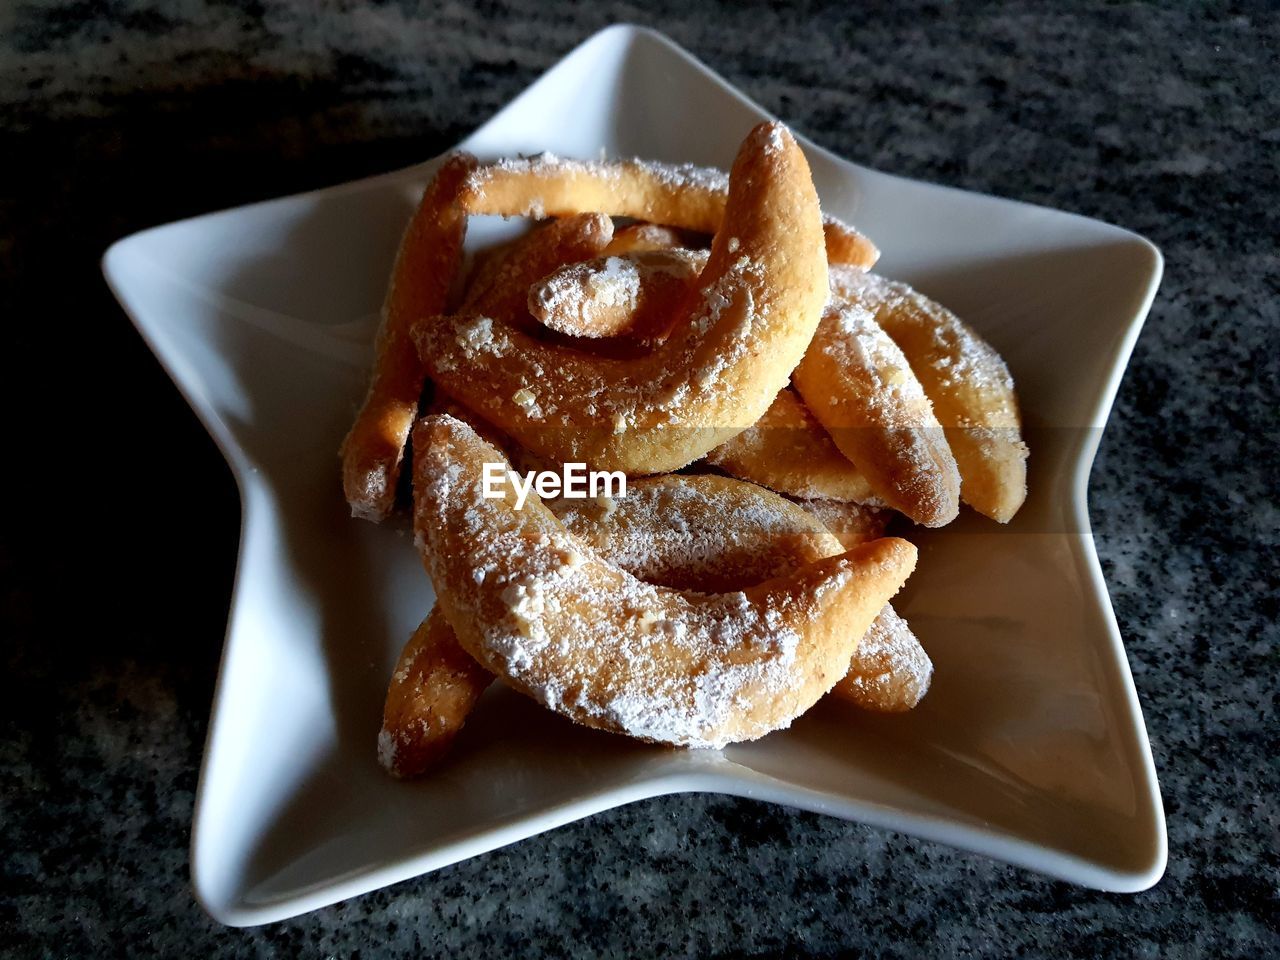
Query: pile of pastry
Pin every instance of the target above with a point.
(771, 404)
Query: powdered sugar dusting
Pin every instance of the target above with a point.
(607, 296)
(958, 358)
(699, 533)
(858, 383)
(477, 336)
(850, 336)
(775, 138)
(578, 298)
(468, 350)
(687, 669)
(707, 533)
(850, 523)
(891, 671)
(549, 166)
(387, 749)
(967, 381)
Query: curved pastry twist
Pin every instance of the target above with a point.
(711, 534)
(704, 533)
(850, 523)
(433, 690)
(675, 195)
(534, 604)
(859, 386)
(890, 672)
(967, 381)
(425, 266)
(701, 532)
(761, 295)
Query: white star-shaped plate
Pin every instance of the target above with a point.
(1030, 748)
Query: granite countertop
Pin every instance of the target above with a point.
(119, 542)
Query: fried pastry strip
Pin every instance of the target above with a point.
(704, 533)
(859, 386)
(432, 692)
(967, 381)
(642, 238)
(890, 672)
(760, 298)
(537, 606)
(677, 195)
(787, 451)
(425, 266)
(712, 534)
(634, 295)
(850, 523)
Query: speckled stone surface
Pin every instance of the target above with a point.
(120, 532)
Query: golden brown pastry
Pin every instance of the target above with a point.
(968, 383)
(537, 606)
(761, 296)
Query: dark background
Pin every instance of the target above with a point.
(120, 525)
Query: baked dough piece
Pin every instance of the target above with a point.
(499, 287)
(424, 270)
(642, 237)
(704, 533)
(850, 523)
(675, 195)
(967, 381)
(859, 386)
(884, 406)
(788, 451)
(537, 606)
(891, 672)
(634, 295)
(432, 692)
(710, 534)
(760, 298)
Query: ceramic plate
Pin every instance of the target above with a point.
(1030, 748)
